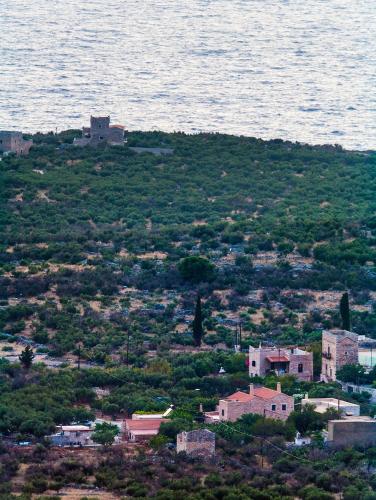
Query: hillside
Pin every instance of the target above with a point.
(103, 255)
(95, 236)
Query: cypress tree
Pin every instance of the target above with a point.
(198, 331)
(26, 357)
(344, 308)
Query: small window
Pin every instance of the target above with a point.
(253, 363)
(274, 407)
(223, 413)
(284, 407)
(300, 368)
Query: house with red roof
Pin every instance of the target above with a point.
(259, 400)
(281, 361)
(141, 429)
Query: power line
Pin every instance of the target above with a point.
(270, 443)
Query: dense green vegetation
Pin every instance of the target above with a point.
(142, 270)
(222, 214)
(278, 192)
(252, 450)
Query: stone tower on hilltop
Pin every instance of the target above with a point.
(100, 131)
(339, 348)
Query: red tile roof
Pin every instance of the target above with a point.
(117, 126)
(265, 393)
(259, 392)
(240, 396)
(147, 424)
(277, 359)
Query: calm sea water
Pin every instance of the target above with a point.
(296, 69)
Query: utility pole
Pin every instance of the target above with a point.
(262, 440)
(127, 354)
(79, 356)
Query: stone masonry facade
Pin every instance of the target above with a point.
(339, 348)
(294, 361)
(100, 131)
(197, 443)
(260, 400)
(359, 431)
(13, 142)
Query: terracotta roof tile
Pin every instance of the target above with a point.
(259, 392)
(240, 396)
(278, 359)
(145, 424)
(265, 393)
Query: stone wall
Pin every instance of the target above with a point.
(230, 411)
(196, 443)
(262, 365)
(271, 408)
(339, 348)
(14, 142)
(306, 360)
(259, 362)
(352, 432)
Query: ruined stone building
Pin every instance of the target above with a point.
(260, 400)
(198, 443)
(100, 131)
(293, 361)
(339, 348)
(13, 142)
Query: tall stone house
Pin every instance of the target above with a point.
(339, 348)
(13, 142)
(101, 131)
(293, 361)
(260, 400)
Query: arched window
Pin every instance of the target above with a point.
(300, 368)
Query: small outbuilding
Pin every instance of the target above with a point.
(352, 431)
(197, 443)
(142, 429)
(323, 404)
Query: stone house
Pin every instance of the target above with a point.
(293, 361)
(259, 400)
(100, 131)
(13, 142)
(339, 348)
(197, 443)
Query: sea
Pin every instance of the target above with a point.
(301, 70)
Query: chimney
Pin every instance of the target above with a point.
(279, 387)
(251, 389)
